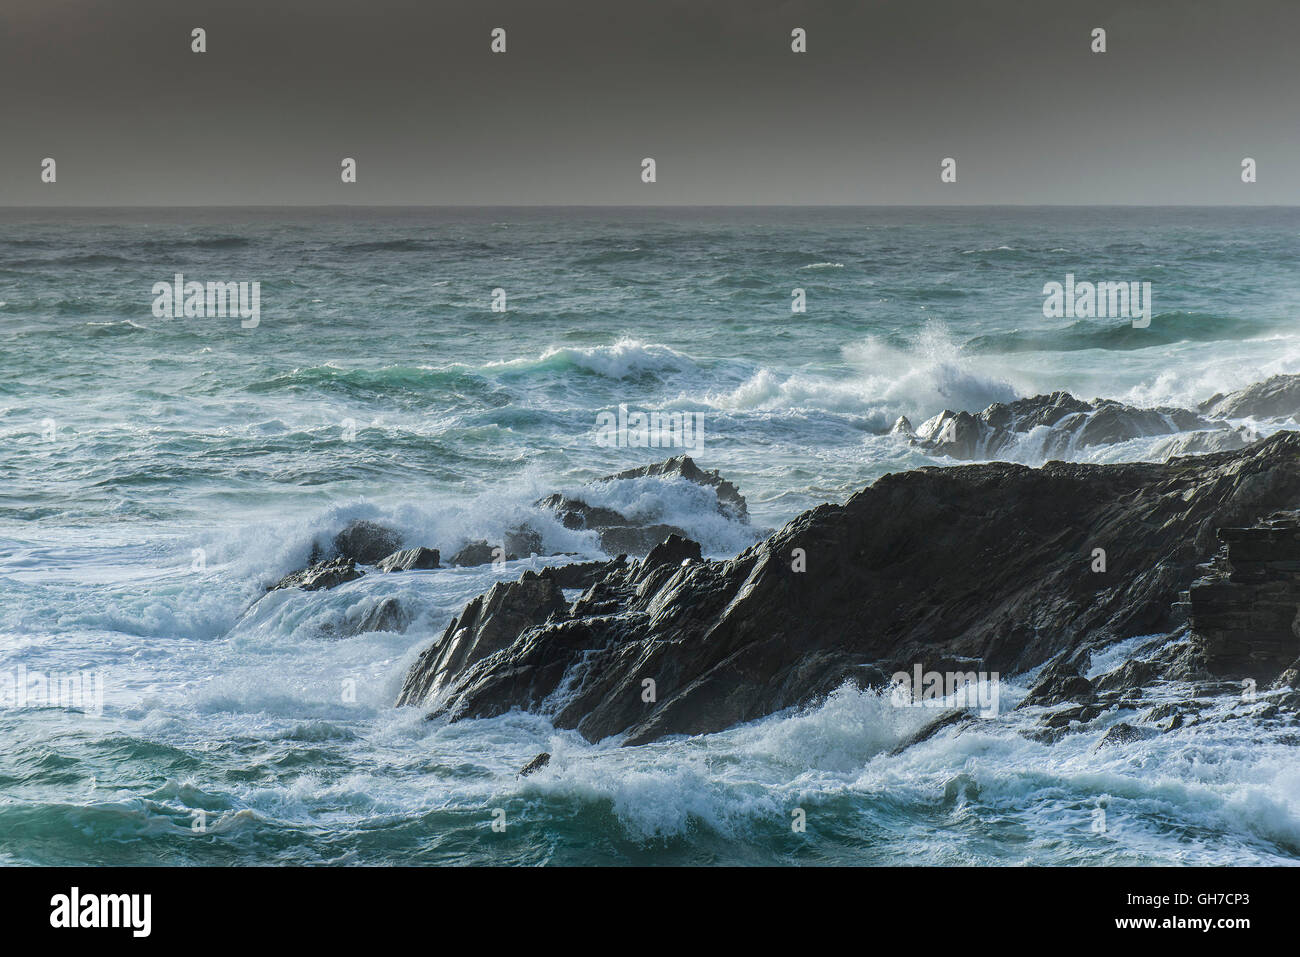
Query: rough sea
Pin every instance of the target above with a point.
(158, 473)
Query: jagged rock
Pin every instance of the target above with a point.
(991, 562)
(488, 624)
(902, 427)
(581, 574)
(1073, 424)
(479, 553)
(328, 574)
(1274, 398)
(410, 559)
(674, 550)
(366, 542)
(960, 435)
(536, 764)
(1059, 681)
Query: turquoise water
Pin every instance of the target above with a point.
(158, 473)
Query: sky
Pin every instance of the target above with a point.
(708, 88)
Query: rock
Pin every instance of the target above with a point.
(674, 550)
(1120, 733)
(990, 562)
(1065, 717)
(902, 427)
(730, 502)
(1199, 443)
(621, 534)
(410, 559)
(478, 553)
(1128, 676)
(960, 435)
(581, 574)
(366, 542)
(387, 614)
(328, 574)
(949, 718)
(1246, 608)
(536, 764)
(488, 624)
(1289, 679)
(634, 539)
(1059, 681)
(524, 542)
(1073, 424)
(577, 514)
(1274, 398)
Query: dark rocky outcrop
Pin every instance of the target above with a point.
(674, 550)
(328, 574)
(488, 624)
(1246, 608)
(988, 562)
(410, 559)
(523, 542)
(366, 542)
(479, 553)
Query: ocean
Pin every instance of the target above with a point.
(157, 473)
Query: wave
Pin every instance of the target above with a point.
(884, 381)
(202, 242)
(386, 380)
(1165, 329)
(625, 359)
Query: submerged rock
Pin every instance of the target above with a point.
(328, 574)
(387, 614)
(991, 562)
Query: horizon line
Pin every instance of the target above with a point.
(345, 206)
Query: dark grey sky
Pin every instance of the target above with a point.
(709, 88)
